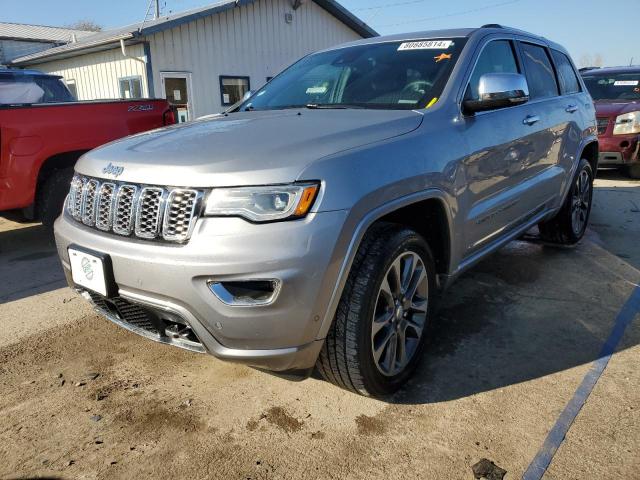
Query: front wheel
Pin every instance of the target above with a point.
(384, 316)
(570, 223)
(51, 195)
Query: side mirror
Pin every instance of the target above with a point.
(498, 90)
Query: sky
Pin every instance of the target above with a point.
(594, 31)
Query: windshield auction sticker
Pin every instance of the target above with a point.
(426, 45)
(626, 83)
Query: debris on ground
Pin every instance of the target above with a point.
(487, 470)
(96, 418)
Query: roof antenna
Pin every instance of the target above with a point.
(146, 15)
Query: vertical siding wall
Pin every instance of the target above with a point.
(253, 40)
(97, 74)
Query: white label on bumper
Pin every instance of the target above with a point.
(88, 271)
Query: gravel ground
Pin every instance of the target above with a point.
(82, 398)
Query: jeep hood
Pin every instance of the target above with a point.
(609, 108)
(248, 148)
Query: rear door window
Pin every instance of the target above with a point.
(539, 71)
(496, 57)
(567, 76)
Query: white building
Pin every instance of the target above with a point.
(200, 60)
(18, 40)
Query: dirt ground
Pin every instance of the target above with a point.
(82, 398)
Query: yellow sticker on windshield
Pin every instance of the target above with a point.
(442, 56)
(432, 102)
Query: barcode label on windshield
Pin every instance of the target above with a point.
(626, 83)
(426, 45)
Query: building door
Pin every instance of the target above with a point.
(176, 88)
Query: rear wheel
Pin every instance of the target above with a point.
(569, 225)
(51, 195)
(633, 171)
(384, 317)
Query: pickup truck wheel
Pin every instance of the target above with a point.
(633, 171)
(51, 195)
(383, 319)
(569, 225)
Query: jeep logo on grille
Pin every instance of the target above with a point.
(113, 170)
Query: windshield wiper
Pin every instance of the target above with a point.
(330, 106)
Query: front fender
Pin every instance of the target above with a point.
(355, 227)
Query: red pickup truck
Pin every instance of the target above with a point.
(43, 131)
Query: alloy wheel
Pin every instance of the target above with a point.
(581, 199)
(400, 313)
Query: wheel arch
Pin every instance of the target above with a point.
(59, 161)
(433, 203)
(590, 151)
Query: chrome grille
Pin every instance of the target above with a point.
(104, 220)
(75, 198)
(148, 215)
(147, 212)
(178, 215)
(89, 197)
(124, 208)
(602, 123)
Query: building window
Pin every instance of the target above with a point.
(130, 87)
(71, 85)
(232, 89)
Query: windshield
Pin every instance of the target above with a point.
(618, 86)
(394, 75)
(21, 89)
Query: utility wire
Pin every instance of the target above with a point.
(454, 14)
(387, 5)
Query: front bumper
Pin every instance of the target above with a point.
(280, 336)
(618, 150)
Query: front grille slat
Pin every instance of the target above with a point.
(149, 211)
(106, 197)
(146, 212)
(179, 214)
(89, 197)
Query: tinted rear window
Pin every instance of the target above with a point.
(20, 89)
(566, 74)
(540, 75)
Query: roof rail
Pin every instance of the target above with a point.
(492, 25)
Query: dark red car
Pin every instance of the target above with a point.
(616, 93)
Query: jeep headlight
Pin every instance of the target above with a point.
(627, 123)
(262, 204)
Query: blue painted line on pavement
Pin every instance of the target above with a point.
(556, 436)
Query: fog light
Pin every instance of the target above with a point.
(250, 293)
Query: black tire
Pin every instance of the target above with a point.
(347, 356)
(564, 229)
(633, 171)
(51, 195)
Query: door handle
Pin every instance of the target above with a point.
(531, 119)
(571, 109)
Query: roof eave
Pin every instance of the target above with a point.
(56, 54)
(348, 18)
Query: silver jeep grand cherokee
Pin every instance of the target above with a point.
(316, 223)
